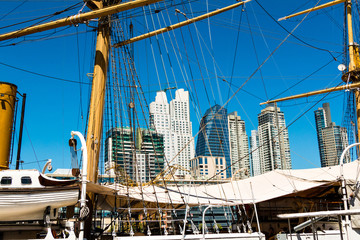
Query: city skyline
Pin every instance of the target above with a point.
(253, 156)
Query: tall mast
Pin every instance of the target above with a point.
(353, 72)
(97, 101)
(352, 75)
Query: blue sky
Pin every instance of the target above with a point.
(56, 107)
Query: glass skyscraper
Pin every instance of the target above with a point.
(213, 139)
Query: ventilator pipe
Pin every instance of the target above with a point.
(83, 178)
(203, 220)
(47, 166)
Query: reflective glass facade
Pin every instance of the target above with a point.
(213, 139)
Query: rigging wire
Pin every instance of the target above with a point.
(291, 33)
(236, 47)
(79, 74)
(256, 55)
(47, 37)
(32, 147)
(308, 76)
(42, 75)
(12, 10)
(196, 58)
(212, 53)
(44, 19)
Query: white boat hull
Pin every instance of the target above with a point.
(30, 204)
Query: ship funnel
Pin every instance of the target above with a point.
(7, 107)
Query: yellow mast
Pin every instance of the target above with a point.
(97, 100)
(180, 24)
(78, 18)
(354, 62)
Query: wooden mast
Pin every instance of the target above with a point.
(180, 24)
(78, 18)
(97, 100)
(354, 64)
(352, 76)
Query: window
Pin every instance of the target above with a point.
(6, 180)
(25, 180)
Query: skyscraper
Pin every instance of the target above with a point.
(181, 131)
(239, 146)
(138, 160)
(173, 121)
(254, 153)
(274, 146)
(160, 121)
(332, 139)
(119, 147)
(150, 154)
(213, 139)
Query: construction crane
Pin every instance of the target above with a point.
(166, 174)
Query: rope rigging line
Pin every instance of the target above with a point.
(198, 36)
(213, 53)
(183, 71)
(161, 55)
(303, 79)
(256, 55)
(196, 57)
(152, 50)
(12, 10)
(42, 75)
(34, 19)
(44, 19)
(235, 50)
(291, 33)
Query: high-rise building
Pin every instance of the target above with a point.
(213, 139)
(254, 153)
(160, 121)
(138, 160)
(239, 147)
(173, 121)
(274, 146)
(332, 139)
(119, 149)
(322, 120)
(207, 167)
(150, 154)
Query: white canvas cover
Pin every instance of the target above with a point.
(271, 185)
